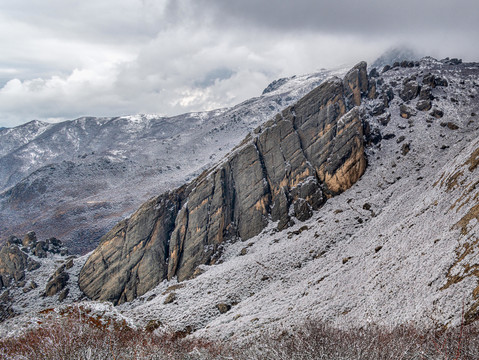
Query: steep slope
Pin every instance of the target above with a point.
(400, 246)
(76, 179)
(288, 167)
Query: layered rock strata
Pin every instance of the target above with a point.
(287, 168)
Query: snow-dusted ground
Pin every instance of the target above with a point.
(385, 251)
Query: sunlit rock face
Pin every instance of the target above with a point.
(286, 168)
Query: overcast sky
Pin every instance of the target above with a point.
(62, 59)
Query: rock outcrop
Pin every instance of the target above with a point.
(287, 168)
(15, 257)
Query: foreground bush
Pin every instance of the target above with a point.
(76, 335)
(319, 341)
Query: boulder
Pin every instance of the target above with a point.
(426, 93)
(433, 80)
(30, 239)
(13, 240)
(171, 297)
(63, 295)
(406, 112)
(437, 113)
(40, 249)
(424, 105)
(13, 263)
(223, 308)
(56, 283)
(409, 91)
(373, 73)
(384, 119)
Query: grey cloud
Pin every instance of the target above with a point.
(62, 60)
(214, 75)
(343, 16)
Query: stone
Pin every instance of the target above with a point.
(406, 112)
(13, 240)
(32, 265)
(309, 152)
(433, 81)
(356, 84)
(223, 308)
(426, 93)
(69, 264)
(405, 149)
(63, 295)
(450, 125)
(56, 283)
(409, 91)
(30, 239)
(39, 249)
(386, 68)
(384, 119)
(437, 113)
(30, 287)
(424, 105)
(13, 263)
(378, 109)
(170, 298)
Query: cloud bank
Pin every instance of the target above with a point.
(61, 60)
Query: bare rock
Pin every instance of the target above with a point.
(424, 105)
(170, 298)
(30, 239)
(13, 263)
(406, 112)
(437, 113)
(356, 84)
(409, 91)
(223, 308)
(63, 295)
(307, 153)
(433, 81)
(57, 282)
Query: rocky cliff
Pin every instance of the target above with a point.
(285, 169)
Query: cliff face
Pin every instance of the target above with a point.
(287, 168)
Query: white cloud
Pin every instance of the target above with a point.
(62, 59)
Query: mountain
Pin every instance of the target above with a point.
(76, 179)
(355, 205)
(287, 169)
(396, 55)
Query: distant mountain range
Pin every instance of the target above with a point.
(76, 179)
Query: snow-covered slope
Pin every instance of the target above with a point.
(76, 179)
(400, 246)
(397, 247)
